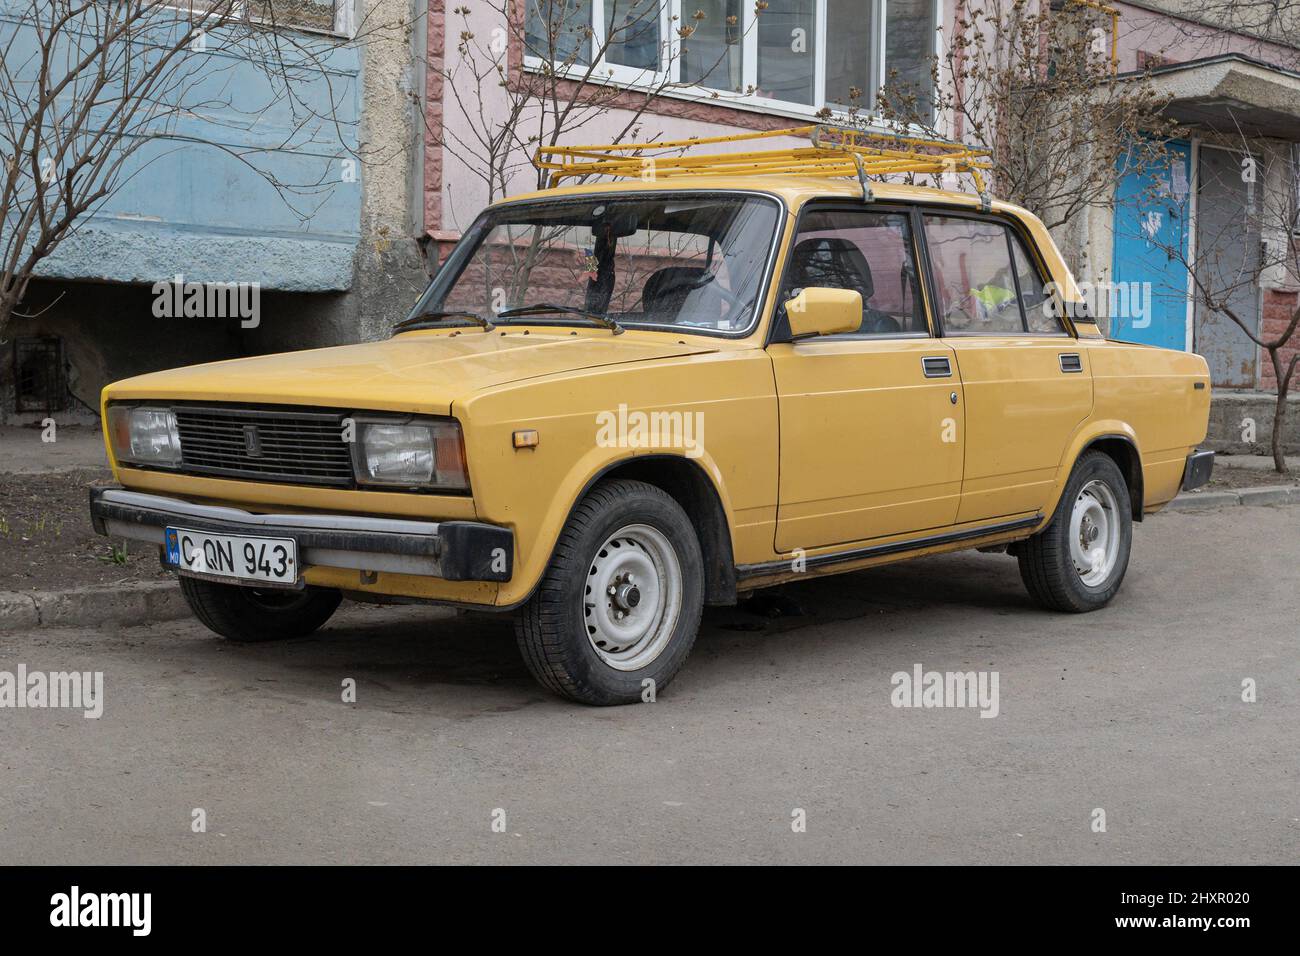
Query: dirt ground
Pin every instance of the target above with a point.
(1230, 478)
(46, 541)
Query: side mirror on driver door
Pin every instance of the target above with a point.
(822, 311)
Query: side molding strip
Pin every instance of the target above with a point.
(894, 547)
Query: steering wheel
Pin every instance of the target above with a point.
(733, 301)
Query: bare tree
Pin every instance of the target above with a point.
(87, 85)
(1036, 88)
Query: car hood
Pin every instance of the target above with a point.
(419, 372)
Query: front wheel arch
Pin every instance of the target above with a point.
(691, 487)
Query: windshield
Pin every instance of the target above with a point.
(692, 262)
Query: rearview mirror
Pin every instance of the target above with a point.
(820, 311)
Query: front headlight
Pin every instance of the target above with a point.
(428, 454)
(144, 435)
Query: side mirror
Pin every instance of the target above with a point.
(820, 311)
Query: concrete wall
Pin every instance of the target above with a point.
(237, 181)
(346, 272)
(1231, 417)
(390, 272)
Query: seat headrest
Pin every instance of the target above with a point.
(830, 261)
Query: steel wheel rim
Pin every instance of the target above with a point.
(633, 597)
(1095, 533)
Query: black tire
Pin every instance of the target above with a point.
(553, 629)
(1046, 564)
(252, 615)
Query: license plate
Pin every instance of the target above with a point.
(233, 557)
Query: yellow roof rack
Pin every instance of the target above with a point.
(834, 152)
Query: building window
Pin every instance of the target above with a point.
(794, 56)
(1295, 188)
(40, 379)
(910, 37)
(559, 31)
(319, 16)
(711, 57)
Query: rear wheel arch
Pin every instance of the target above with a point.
(1124, 453)
(1117, 440)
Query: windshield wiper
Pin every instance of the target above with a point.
(427, 320)
(541, 308)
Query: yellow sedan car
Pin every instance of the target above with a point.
(618, 403)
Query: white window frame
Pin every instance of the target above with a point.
(612, 74)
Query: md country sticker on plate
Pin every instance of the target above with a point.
(233, 557)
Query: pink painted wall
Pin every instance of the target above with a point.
(1182, 40)
(454, 194)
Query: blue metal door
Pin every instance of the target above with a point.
(1151, 236)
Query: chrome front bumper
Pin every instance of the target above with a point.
(451, 550)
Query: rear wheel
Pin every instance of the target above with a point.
(254, 615)
(620, 603)
(1077, 562)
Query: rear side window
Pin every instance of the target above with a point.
(1039, 313)
(868, 252)
(985, 280)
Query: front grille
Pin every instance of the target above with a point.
(264, 444)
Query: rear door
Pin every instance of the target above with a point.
(1026, 382)
(871, 421)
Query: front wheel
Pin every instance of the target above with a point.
(617, 612)
(255, 615)
(1077, 562)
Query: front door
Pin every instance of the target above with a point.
(1026, 382)
(1229, 186)
(872, 425)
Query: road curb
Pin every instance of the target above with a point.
(1266, 495)
(135, 603)
(1271, 495)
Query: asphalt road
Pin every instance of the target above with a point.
(1136, 710)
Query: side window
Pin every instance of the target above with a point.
(1039, 313)
(972, 268)
(869, 252)
(986, 280)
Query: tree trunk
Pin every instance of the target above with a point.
(1279, 414)
(7, 305)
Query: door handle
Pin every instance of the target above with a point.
(936, 366)
(1070, 362)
